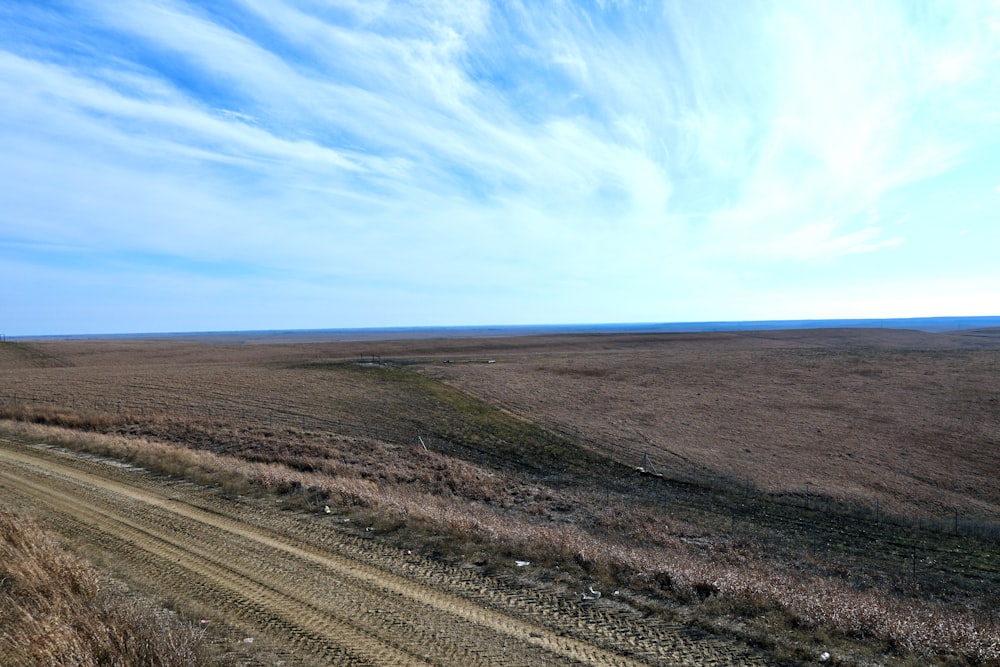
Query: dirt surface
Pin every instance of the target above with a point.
(727, 479)
(906, 420)
(311, 591)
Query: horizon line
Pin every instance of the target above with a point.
(926, 324)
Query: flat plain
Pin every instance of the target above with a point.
(793, 493)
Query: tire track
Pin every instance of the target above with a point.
(350, 576)
(337, 596)
(245, 592)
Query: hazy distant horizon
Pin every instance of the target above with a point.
(926, 324)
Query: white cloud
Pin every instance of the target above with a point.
(81, 107)
(496, 144)
(824, 240)
(857, 113)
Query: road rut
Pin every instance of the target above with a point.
(321, 595)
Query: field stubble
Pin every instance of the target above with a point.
(832, 487)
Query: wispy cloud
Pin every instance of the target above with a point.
(862, 108)
(590, 156)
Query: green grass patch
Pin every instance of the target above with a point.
(459, 424)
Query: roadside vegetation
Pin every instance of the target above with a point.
(726, 579)
(430, 466)
(55, 609)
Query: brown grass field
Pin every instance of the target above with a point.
(54, 610)
(814, 490)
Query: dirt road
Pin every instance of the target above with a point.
(316, 594)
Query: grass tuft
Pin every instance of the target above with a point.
(54, 611)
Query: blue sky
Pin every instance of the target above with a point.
(262, 164)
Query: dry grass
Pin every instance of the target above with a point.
(777, 451)
(905, 424)
(726, 575)
(54, 611)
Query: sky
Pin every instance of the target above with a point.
(300, 164)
